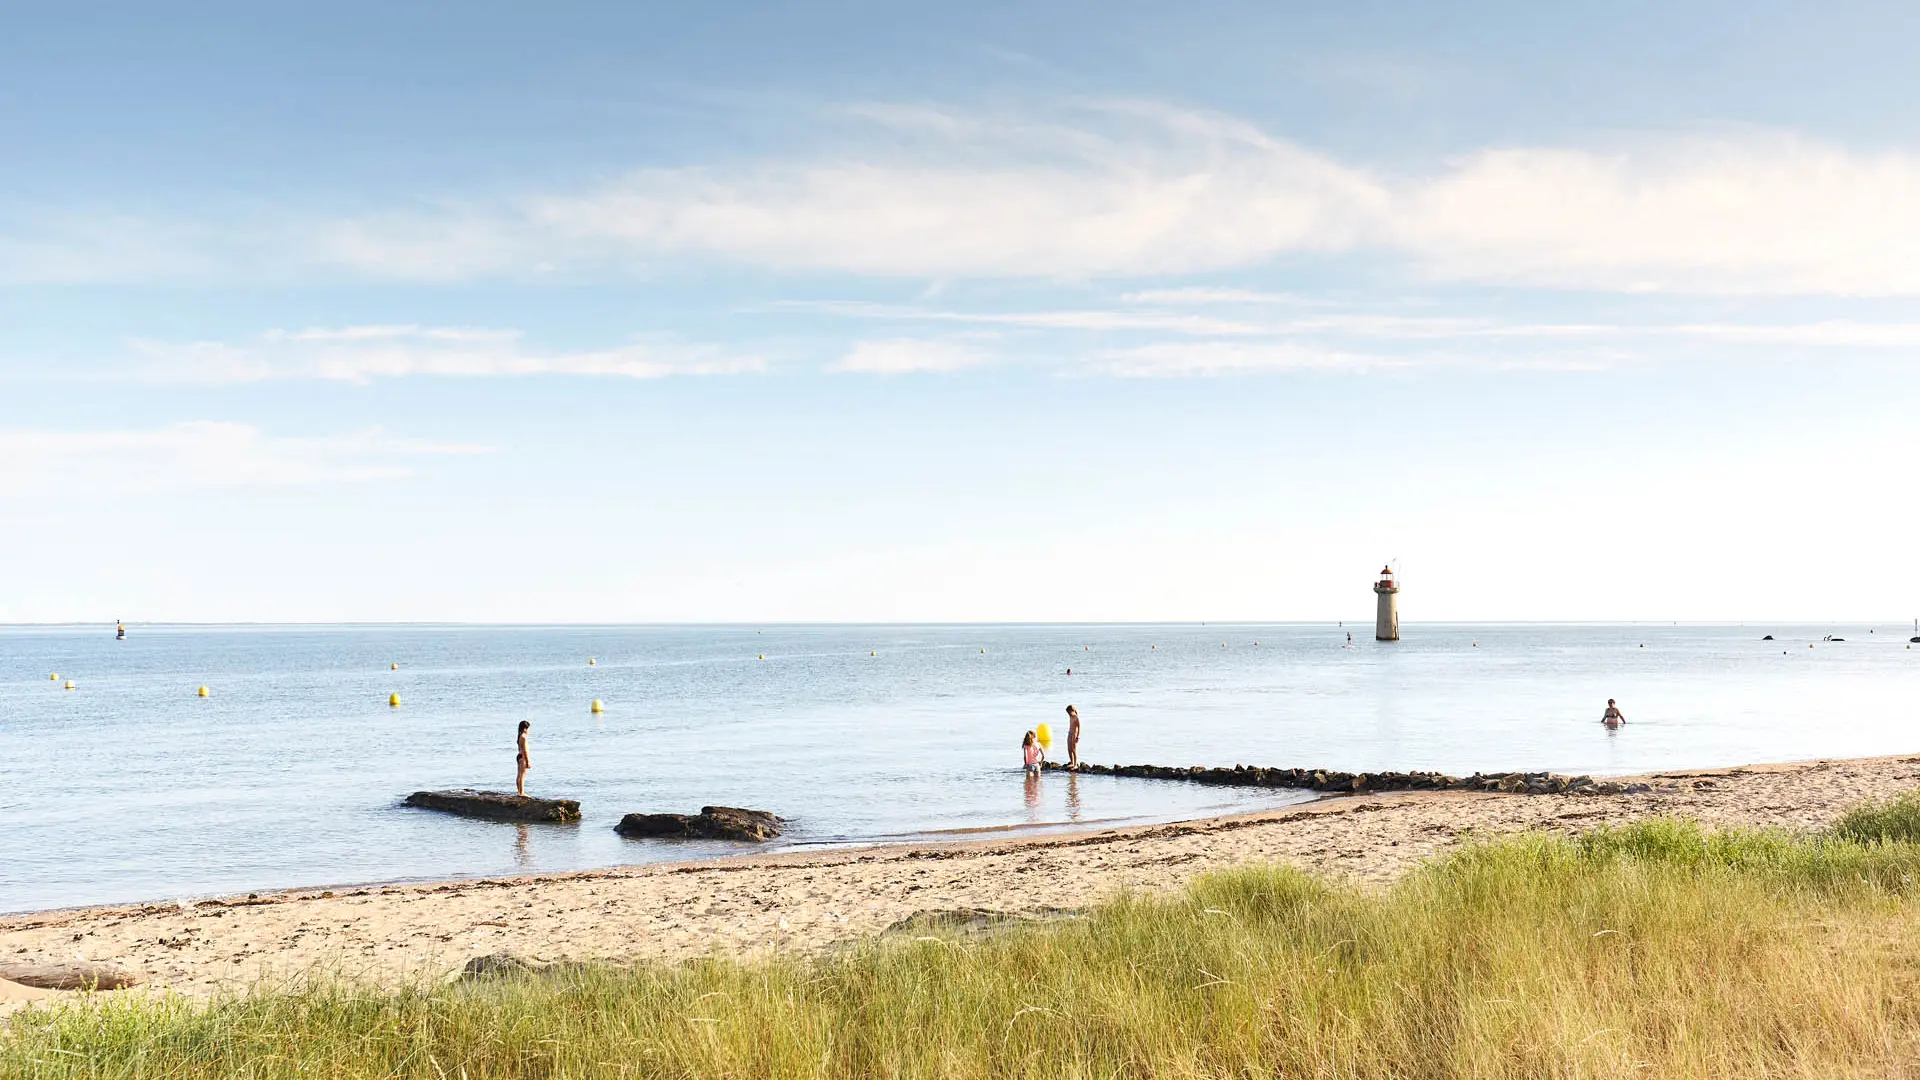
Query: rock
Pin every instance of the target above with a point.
(497, 965)
(496, 805)
(508, 966)
(711, 823)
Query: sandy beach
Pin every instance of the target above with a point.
(811, 900)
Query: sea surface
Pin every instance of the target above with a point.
(290, 773)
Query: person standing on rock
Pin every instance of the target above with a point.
(1073, 737)
(1613, 717)
(522, 761)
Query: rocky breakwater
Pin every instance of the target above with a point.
(496, 805)
(711, 823)
(1333, 780)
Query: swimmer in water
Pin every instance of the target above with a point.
(1613, 717)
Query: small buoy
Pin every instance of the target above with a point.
(393, 700)
(983, 652)
(69, 684)
(203, 691)
(393, 667)
(1643, 644)
(763, 656)
(596, 706)
(591, 662)
(1043, 735)
(870, 652)
(55, 676)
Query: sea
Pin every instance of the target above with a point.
(291, 771)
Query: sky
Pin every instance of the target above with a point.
(964, 312)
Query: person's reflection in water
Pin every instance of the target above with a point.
(1033, 796)
(1073, 796)
(521, 855)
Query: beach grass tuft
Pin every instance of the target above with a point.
(1895, 819)
(1655, 949)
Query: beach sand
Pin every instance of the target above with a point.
(811, 900)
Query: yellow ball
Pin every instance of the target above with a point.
(203, 691)
(55, 676)
(393, 667)
(69, 684)
(393, 700)
(1044, 735)
(591, 662)
(597, 707)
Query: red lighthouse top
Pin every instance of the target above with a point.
(1386, 582)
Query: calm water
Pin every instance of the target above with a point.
(130, 787)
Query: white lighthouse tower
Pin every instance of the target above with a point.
(1386, 624)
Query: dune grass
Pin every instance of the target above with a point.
(1652, 950)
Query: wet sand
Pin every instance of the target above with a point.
(808, 901)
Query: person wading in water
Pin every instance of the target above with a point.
(522, 761)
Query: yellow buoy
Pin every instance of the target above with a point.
(69, 684)
(597, 707)
(55, 676)
(983, 652)
(871, 653)
(393, 700)
(393, 667)
(763, 656)
(1044, 735)
(203, 691)
(591, 662)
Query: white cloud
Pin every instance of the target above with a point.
(360, 353)
(1186, 359)
(200, 454)
(1766, 213)
(1152, 192)
(900, 356)
(1125, 189)
(1174, 321)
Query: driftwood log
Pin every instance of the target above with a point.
(69, 975)
(711, 823)
(1333, 780)
(496, 805)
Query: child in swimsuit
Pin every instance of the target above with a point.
(1030, 753)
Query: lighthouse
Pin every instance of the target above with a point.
(1386, 624)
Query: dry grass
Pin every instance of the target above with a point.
(1653, 950)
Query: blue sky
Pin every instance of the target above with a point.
(863, 311)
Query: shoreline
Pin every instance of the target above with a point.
(809, 900)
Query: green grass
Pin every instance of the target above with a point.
(1896, 819)
(1652, 950)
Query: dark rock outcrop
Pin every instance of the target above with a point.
(496, 805)
(1331, 780)
(711, 823)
